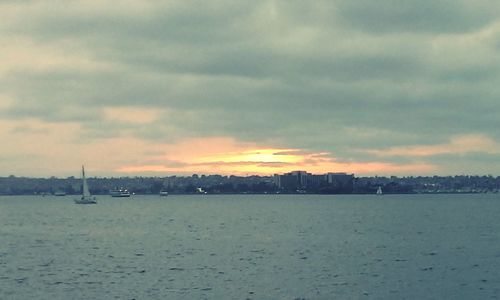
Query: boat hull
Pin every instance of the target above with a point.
(119, 193)
(85, 201)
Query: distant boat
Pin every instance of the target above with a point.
(60, 193)
(86, 197)
(119, 193)
(200, 191)
(379, 190)
(163, 193)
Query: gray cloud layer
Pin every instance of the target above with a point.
(330, 75)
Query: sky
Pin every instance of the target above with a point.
(160, 88)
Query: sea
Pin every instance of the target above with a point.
(444, 246)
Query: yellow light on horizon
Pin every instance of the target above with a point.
(257, 156)
(224, 156)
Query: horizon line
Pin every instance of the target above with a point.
(247, 175)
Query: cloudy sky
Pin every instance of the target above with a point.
(384, 87)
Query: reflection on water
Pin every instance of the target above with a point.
(251, 247)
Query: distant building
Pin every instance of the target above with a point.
(340, 182)
(300, 181)
(293, 181)
(315, 181)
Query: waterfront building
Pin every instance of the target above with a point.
(300, 181)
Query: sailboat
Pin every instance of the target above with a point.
(379, 190)
(86, 197)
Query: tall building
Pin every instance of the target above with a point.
(340, 182)
(298, 181)
(293, 181)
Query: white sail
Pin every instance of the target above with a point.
(86, 197)
(86, 192)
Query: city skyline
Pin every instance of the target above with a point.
(296, 182)
(158, 89)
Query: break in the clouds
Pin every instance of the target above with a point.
(365, 85)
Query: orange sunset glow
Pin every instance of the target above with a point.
(207, 155)
(242, 159)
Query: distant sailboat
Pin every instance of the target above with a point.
(379, 190)
(86, 197)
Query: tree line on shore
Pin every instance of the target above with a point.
(219, 184)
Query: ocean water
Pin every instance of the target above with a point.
(251, 247)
